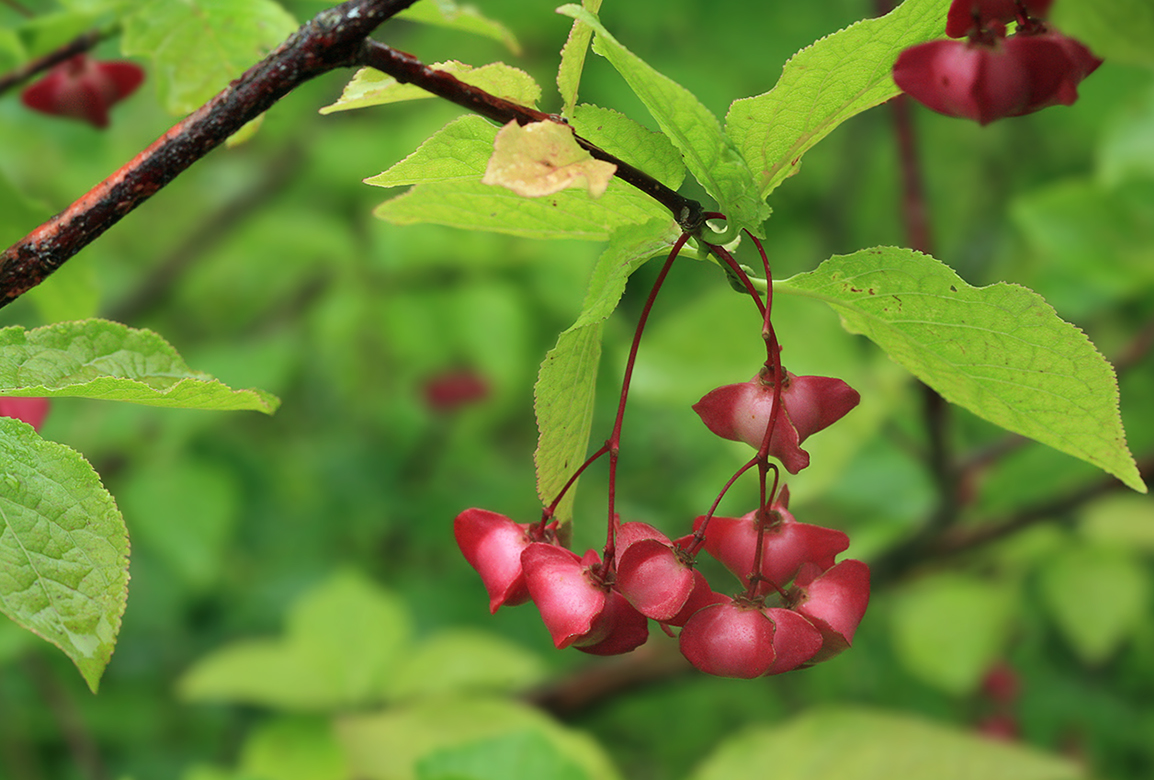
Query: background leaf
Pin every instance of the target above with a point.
(198, 46)
(950, 629)
(63, 549)
(1117, 30)
(445, 13)
(825, 84)
(107, 360)
(1098, 596)
(999, 351)
(862, 744)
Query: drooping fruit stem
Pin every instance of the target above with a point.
(613, 445)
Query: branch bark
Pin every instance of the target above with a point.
(331, 40)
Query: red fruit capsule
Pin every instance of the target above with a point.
(83, 88)
(835, 603)
(492, 544)
(741, 412)
(30, 410)
(972, 17)
(729, 639)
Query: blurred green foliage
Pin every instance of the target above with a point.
(263, 266)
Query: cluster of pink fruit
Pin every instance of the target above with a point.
(601, 604)
(990, 75)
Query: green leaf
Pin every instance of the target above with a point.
(825, 84)
(708, 154)
(1117, 30)
(198, 46)
(565, 386)
(107, 360)
(463, 18)
(519, 756)
(999, 351)
(1120, 521)
(573, 58)
(63, 549)
(372, 88)
(1097, 595)
(949, 630)
(630, 141)
(464, 661)
(343, 642)
(293, 748)
(389, 745)
(185, 512)
(458, 151)
(471, 205)
(848, 743)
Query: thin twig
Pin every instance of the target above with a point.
(78, 45)
(331, 40)
(81, 744)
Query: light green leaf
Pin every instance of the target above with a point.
(565, 386)
(949, 630)
(463, 18)
(708, 154)
(184, 512)
(389, 745)
(300, 747)
(630, 141)
(464, 661)
(1125, 521)
(63, 549)
(573, 58)
(343, 641)
(848, 743)
(476, 206)
(372, 88)
(107, 360)
(519, 756)
(825, 84)
(198, 46)
(1097, 595)
(458, 151)
(1118, 30)
(1000, 351)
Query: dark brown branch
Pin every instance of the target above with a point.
(29, 69)
(409, 70)
(331, 40)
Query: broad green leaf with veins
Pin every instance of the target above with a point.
(107, 360)
(697, 134)
(564, 391)
(1000, 351)
(825, 84)
(370, 87)
(198, 46)
(63, 549)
